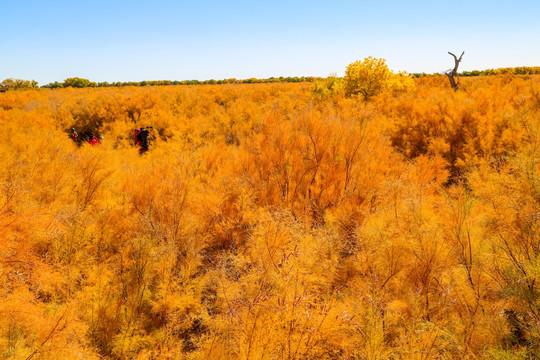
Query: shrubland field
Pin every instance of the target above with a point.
(272, 221)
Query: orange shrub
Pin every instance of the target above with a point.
(267, 222)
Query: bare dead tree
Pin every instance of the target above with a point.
(452, 74)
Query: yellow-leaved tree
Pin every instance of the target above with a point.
(372, 76)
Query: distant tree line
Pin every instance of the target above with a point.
(521, 70)
(81, 83)
(77, 82)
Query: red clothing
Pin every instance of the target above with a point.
(93, 141)
(137, 140)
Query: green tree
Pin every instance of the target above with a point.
(12, 84)
(53, 85)
(77, 82)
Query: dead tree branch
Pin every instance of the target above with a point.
(452, 75)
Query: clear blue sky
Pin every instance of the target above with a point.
(179, 40)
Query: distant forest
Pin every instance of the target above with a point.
(521, 70)
(77, 82)
(81, 83)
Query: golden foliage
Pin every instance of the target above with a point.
(371, 77)
(272, 221)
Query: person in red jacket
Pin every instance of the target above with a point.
(93, 140)
(137, 137)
